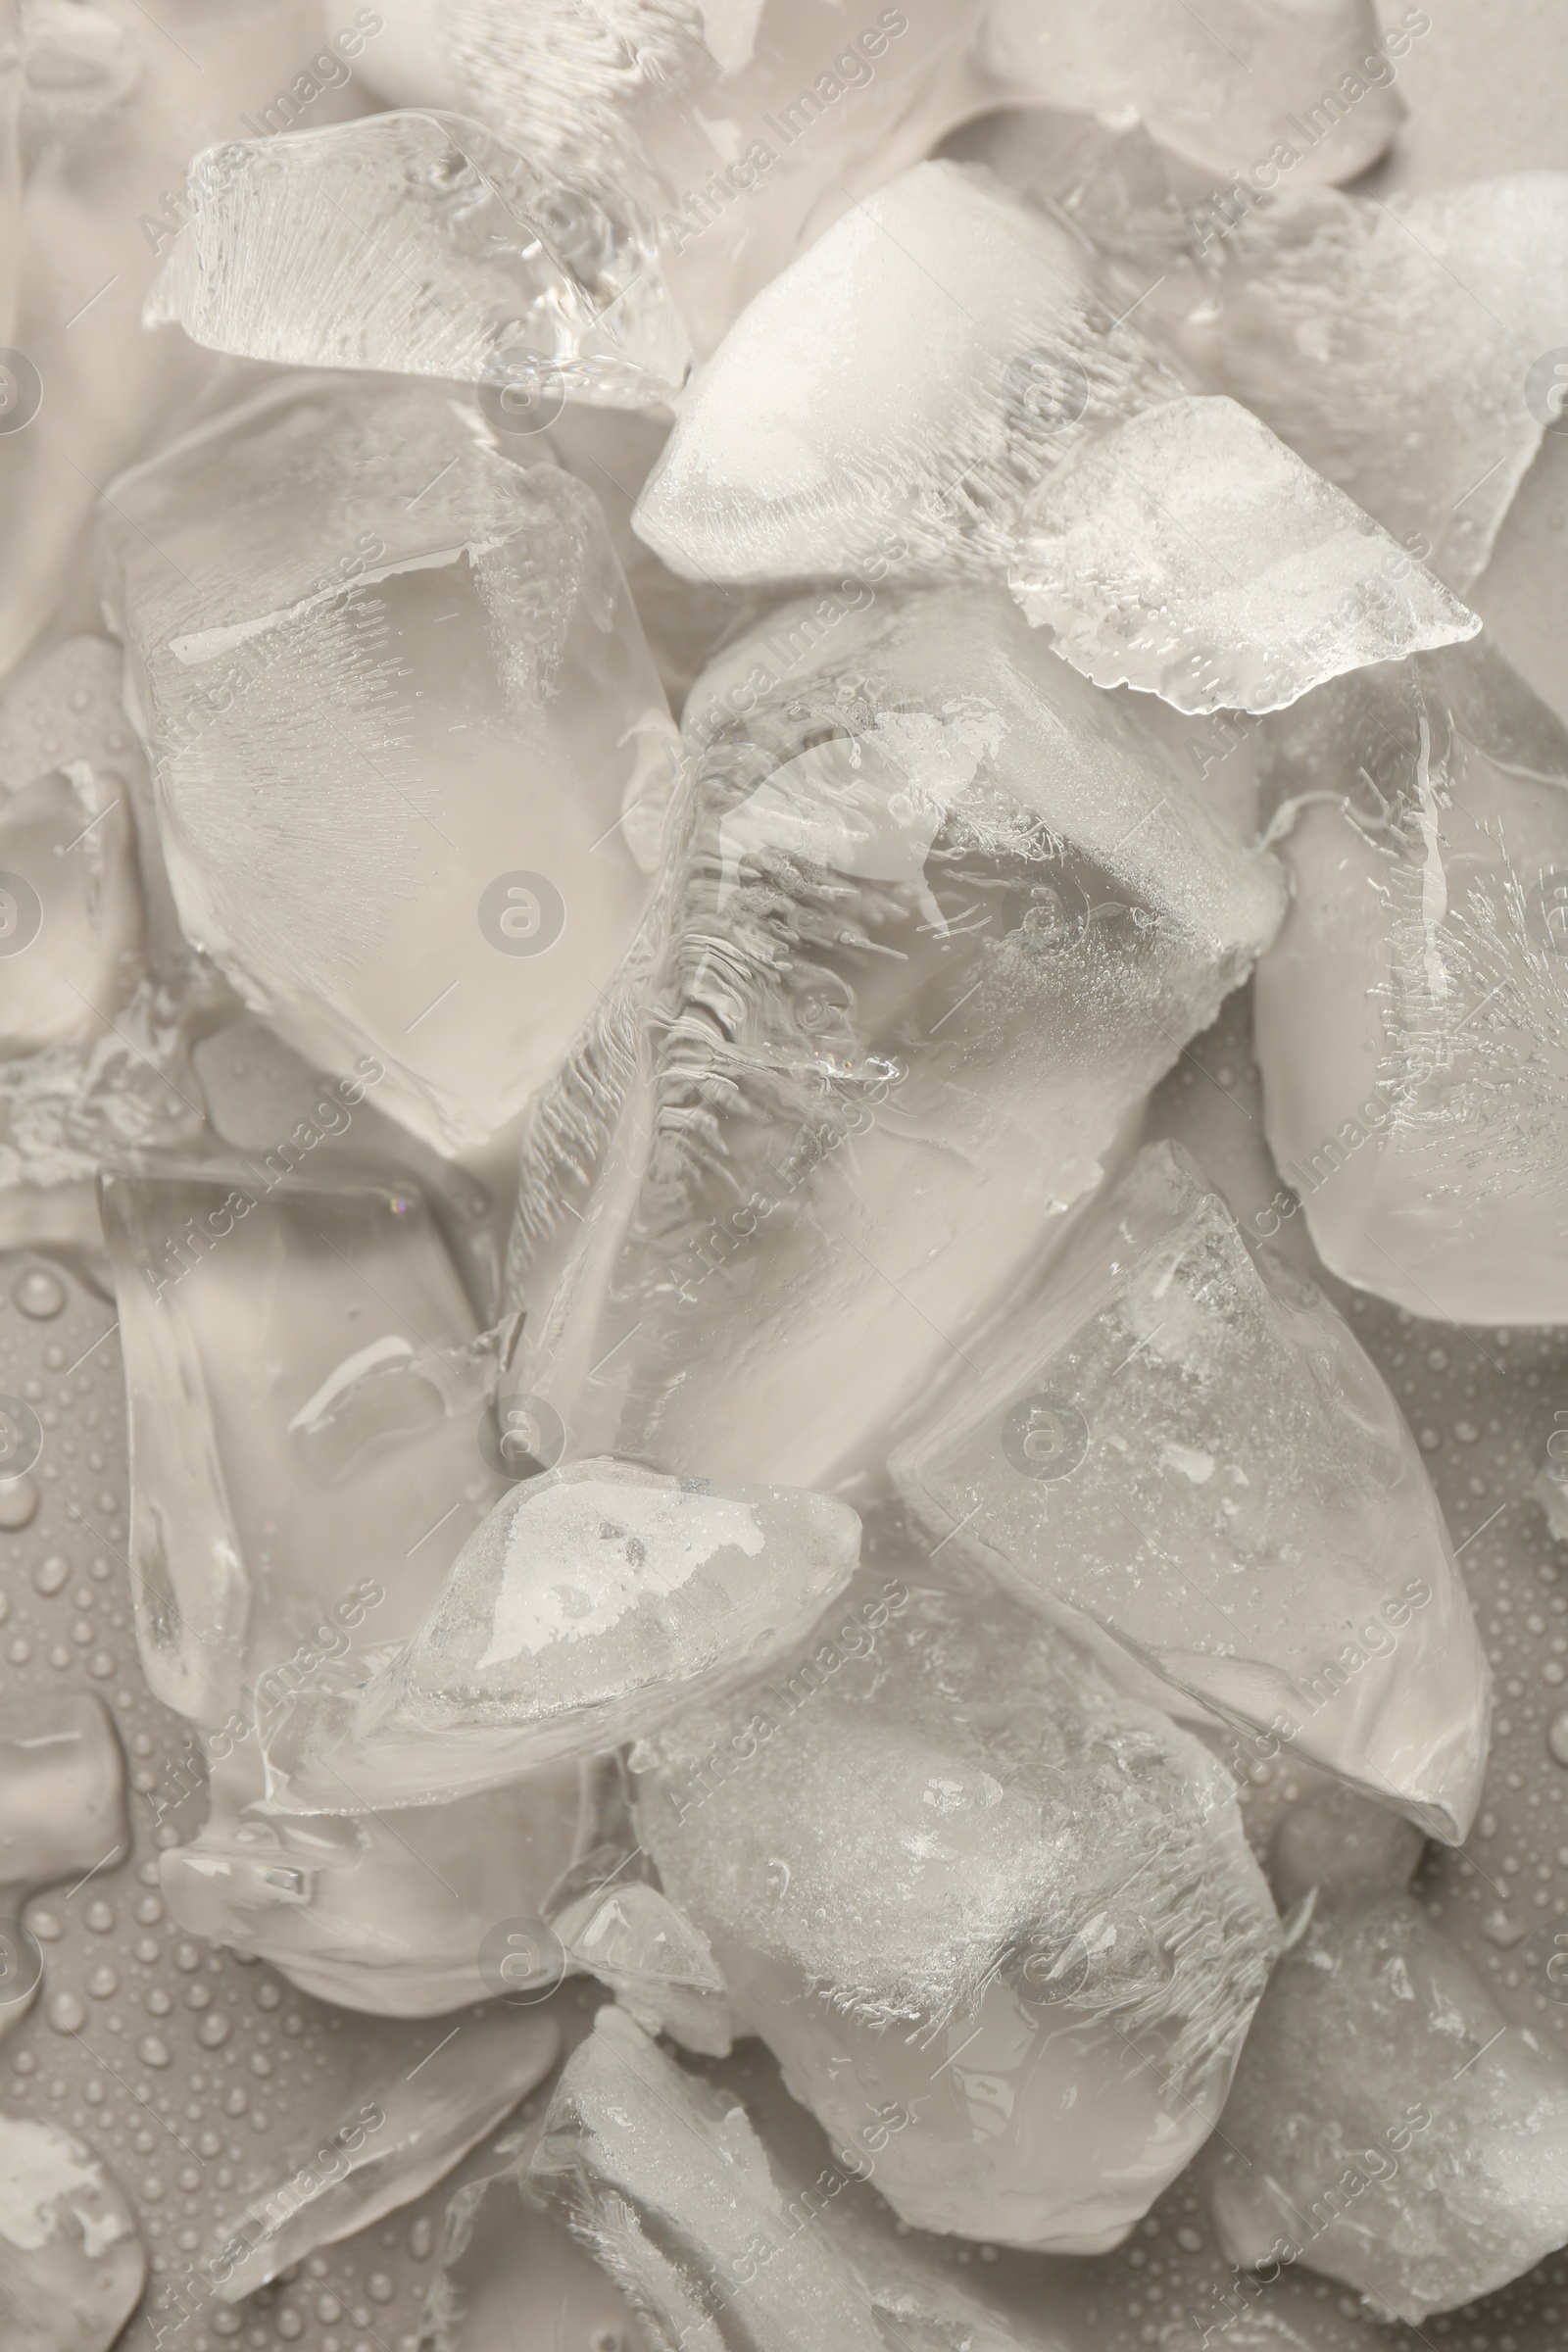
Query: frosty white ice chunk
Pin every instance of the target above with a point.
(1190, 553)
(306, 1419)
(968, 913)
(1229, 88)
(734, 133)
(397, 699)
(890, 400)
(710, 2239)
(411, 2126)
(1182, 1445)
(1412, 1019)
(423, 244)
(72, 2262)
(1019, 1963)
(1387, 2125)
(592, 1603)
(1405, 347)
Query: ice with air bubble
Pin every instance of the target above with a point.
(398, 704)
(1020, 1964)
(1410, 1017)
(938, 916)
(1174, 1440)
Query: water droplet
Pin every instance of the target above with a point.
(51, 1573)
(19, 1501)
(152, 2051)
(40, 1295)
(66, 2013)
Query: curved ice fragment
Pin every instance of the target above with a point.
(72, 2262)
(1182, 1445)
(1027, 1952)
(1241, 85)
(891, 398)
(1190, 553)
(423, 244)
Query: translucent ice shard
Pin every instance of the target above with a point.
(397, 698)
(1020, 1964)
(1412, 1020)
(1388, 2125)
(590, 1604)
(410, 2128)
(423, 244)
(72, 2264)
(665, 2181)
(1405, 347)
(1190, 553)
(1182, 1444)
(890, 400)
(305, 1422)
(1240, 85)
(655, 1963)
(938, 916)
(70, 906)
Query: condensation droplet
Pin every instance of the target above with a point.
(66, 2013)
(19, 1501)
(40, 1295)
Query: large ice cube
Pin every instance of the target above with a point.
(940, 916)
(1405, 347)
(1190, 553)
(423, 244)
(1412, 1019)
(889, 400)
(1388, 2125)
(1234, 87)
(306, 1421)
(1020, 1963)
(591, 1603)
(72, 2262)
(397, 698)
(1182, 1444)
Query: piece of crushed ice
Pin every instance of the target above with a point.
(70, 917)
(655, 1963)
(72, 2262)
(396, 694)
(410, 2127)
(1412, 1018)
(62, 1792)
(941, 912)
(1302, 1586)
(1389, 2126)
(1403, 346)
(888, 402)
(1241, 86)
(588, 1605)
(1020, 1965)
(423, 244)
(1190, 553)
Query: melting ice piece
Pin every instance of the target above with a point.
(665, 2181)
(72, 2264)
(305, 1422)
(1388, 2125)
(70, 907)
(423, 244)
(1412, 1019)
(61, 1815)
(1310, 88)
(1021, 1965)
(591, 1603)
(655, 1963)
(969, 912)
(1405, 347)
(412, 2128)
(1182, 1446)
(734, 133)
(1190, 553)
(351, 581)
(889, 400)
